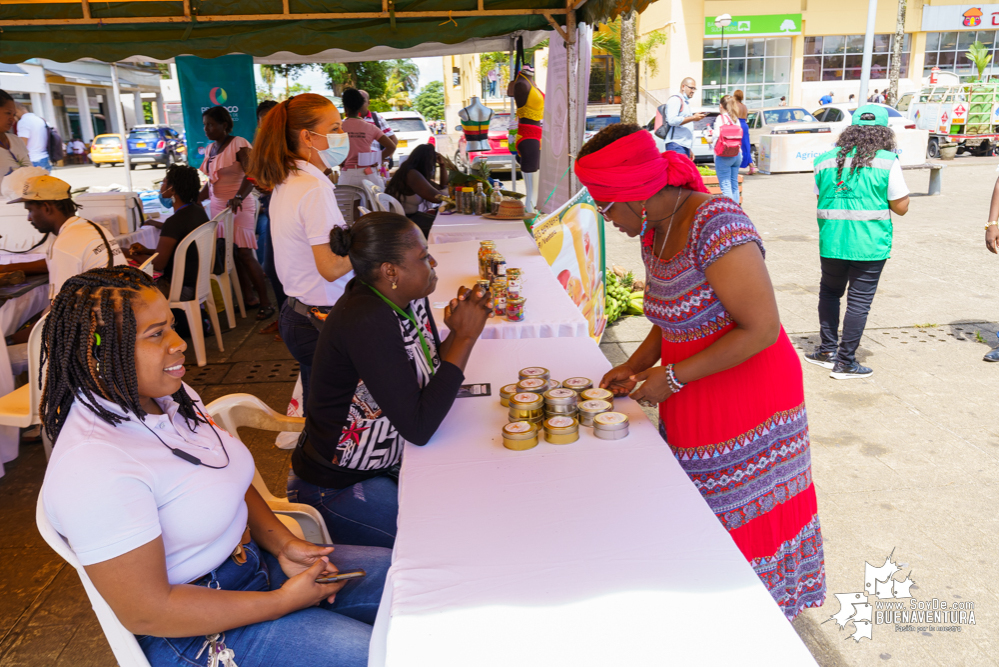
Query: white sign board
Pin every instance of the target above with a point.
(938, 18)
(784, 153)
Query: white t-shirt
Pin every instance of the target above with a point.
(32, 128)
(896, 182)
(78, 247)
(15, 158)
(109, 490)
(303, 210)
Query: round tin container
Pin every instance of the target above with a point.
(554, 384)
(590, 409)
(533, 372)
(506, 391)
(561, 430)
(578, 385)
(527, 406)
(597, 394)
(535, 385)
(520, 435)
(610, 426)
(560, 401)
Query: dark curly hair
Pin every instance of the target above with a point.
(607, 136)
(423, 159)
(861, 143)
(353, 100)
(185, 182)
(75, 367)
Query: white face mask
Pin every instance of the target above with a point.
(338, 150)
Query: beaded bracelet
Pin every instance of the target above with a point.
(674, 384)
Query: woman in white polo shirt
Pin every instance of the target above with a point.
(297, 145)
(157, 502)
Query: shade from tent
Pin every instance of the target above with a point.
(159, 30)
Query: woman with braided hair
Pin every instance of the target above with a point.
(157, 502)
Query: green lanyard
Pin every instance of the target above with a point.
(419, 329)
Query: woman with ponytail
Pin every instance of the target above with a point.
(297, 145)
(382, 378)
(729, 390)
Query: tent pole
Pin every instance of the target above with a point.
(513, 114)
(120, 117)
(571, 47)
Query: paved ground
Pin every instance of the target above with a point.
(904, 462)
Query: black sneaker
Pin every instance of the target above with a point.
(843, 371)
(824, 359)
(992, 356)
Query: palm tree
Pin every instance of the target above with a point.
(610, 41)
(979, 54)
(406, 73)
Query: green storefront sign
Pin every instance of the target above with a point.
(225, 81)
(763, 25)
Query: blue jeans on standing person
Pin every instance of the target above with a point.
(727, 169)
(677, 148)
(300, 337)
(330, 634)
(43, 163)
(363, 514)
(266, 242)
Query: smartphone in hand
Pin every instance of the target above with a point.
(342, 576)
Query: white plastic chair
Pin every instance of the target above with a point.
(147, 266)
(348, 198)
(389, 204)
(228, 280)
(204, 238)
(362, 210)
(372, 191)
(244, 410)
(20, 407)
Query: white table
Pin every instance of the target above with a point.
(549, 312)
(594, 553)
(453, 228)
(147, 235)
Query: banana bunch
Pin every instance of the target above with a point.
(621, 300)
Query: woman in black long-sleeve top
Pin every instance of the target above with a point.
(381, 377)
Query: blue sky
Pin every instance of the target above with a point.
(431, 69)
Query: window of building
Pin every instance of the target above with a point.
(946, 50)
(841, 57)
(760, 67)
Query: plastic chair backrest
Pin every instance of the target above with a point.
(147, 266)
(372, 190)
(126, 649)
(346, 196)
(389, 204)
(227, 222)
(362, 210)
(35, 380)
(204, 237)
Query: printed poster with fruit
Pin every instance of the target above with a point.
(571, 241)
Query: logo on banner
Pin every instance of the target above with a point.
(972, 17)
(893, 604)
(217, 96)
(788, 26)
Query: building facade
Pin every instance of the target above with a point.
(804, 49)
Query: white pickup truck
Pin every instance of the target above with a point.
(966, 114)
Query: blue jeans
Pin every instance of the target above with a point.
(265, 242)
(331, 634)
(727, 169)
(363, 514)
(43, 163)
(301, 338)
(677, 148)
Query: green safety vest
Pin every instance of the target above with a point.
(854, 218)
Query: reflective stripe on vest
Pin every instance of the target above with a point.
(853, 213)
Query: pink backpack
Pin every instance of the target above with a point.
(729, 139)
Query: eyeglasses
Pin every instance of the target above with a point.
(603, 211)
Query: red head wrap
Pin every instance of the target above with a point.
(632, 169)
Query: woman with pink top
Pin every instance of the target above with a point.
(224, 164)
(362, 163)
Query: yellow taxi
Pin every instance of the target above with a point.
(106, 149)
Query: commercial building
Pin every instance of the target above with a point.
(804, 49)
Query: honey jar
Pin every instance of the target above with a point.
(561, 430)
(590, 409)
(578, 385)
(560, 401)
(515, 283)
(610, 426)
(597, 394)
(533, 372)
(520, 435)
(527, 406)
(506, 392)
(514, 308)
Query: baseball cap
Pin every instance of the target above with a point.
(43, 188)
(871, 114)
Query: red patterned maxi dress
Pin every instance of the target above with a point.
(741, 434)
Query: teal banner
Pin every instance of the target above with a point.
(225, 81)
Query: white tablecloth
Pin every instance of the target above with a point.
(147, 235)
(594, 553)
(453, 228)
(549, 312)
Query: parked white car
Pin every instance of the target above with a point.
(840, 115)
(410, 129)
(703, 151)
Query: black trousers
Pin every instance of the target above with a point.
(862, 280)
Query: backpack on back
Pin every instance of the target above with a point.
(54, 145)
(729, 139)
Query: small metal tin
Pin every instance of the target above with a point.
(597, 394)
(610, 426)
(533, 372)
(535, 385)
(560, 401)
(579, 385)
(590, 409)
(520, 435)
(561, 430)
(527, 406)
(554, 384)
(506, 391)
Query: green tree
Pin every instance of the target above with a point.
(403, 74)
(610, 42)
(979, 54)
(430, 101)
(270, 74)
(371, 76)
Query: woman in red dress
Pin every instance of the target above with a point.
(729, 390)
